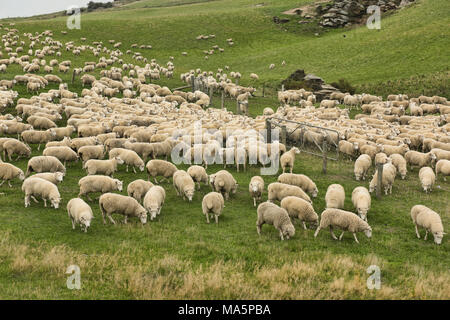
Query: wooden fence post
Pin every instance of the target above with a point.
(380, 180)
(73, 76)
(324, 155)
(283, 134)
(211, 93)
(263, 89)
(282, 87)
(222, 103)
(269, 131)
(238, 107)
(193, 83)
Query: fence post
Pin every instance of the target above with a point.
(73, 76)
(263, 89)
(211, 92)
(324, 155)
(238, 107)
(269, 131)
(222, 103)
(282, 87)
(237, 81)
(283, 135)
(380, 179)
(193, 83)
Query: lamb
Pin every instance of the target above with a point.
(9, 172)
(129, 157)
(335, 196)
(345, 220)
(400, 164)
(389, 150)
(213, 204)
(105, 167)
(256, 188)
(369, 150)
(98, 183)
(44, 164)
(279, 191)
(419, 159)
(62, 153)
(362, 166)
(79, 213)
(198, 174)
(428, 219)
(138, 188)
(389, 172)
(37, 137)
(91, 152)
(299, 180)
(348, 148)
(184, 185)
(427, 178)
(224, 183)
(288, 158)
(53, 177)
(37, 187)
(158, 167)
(13, 146)
(115, 203)
(154, 200)
(272, 214)
(301, 209)
(443, 166)
(361, 201)
(41, 123)
(440, 154)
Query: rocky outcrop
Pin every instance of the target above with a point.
(311, 82)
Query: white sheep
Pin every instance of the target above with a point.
(443, 167)
(158, 167)
(129, 158)
(288, 158)
(335, 196)
(400, 164)
(53, 177)
(428, 219)
(138, 188)
(40, 164)
(348, 148)
(79, 213)
(37, 187)
(387, 180)
(427, 178)
(362, 166)
(213, 204)
(154, 200)
(272, 214)
(419, 159)
(115, 203)
(345, 220)
(224, 183)
(9, 172)
(361, 201)
(256, 188)
(301, 209)
(105, 167)
(183, 184)
(299, 180)
(279, 191)
(62, 153)
(91, 152)
(98, 183)
(198, 174)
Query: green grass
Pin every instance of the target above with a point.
(179, 255)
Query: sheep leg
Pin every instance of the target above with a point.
(9, 184)
(254, 201)
(258, 228)
(207, 218)
(2, 182)
(281, 235)
(111, 219)
(34, 199)
(45, 202)
(304, 225)
(426, 234)
(125, 220)
(127, 169)
(332, 233)
(134, 170)
(39, 147)
(73, 224)
(341, 236)
(356, 239)
(417, 232)
(27, 200)
(198, 185)
(317, 232)
(217, 219)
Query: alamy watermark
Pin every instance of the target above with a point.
(74, 280)
(374, 20)
(74, 20)
(374, 280)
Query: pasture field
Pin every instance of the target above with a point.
(180, 256)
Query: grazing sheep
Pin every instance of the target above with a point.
(98, 183)
(299, 180)
(40, 164)
(115, 203)
(389, 150)
(419, 159)
(348, 148)
(13, 146)
(37, 187)
(105, 167)
(158, 167)
(138, 188)
(79, 213)
(428, 219)
(381, 158)
(387, 180)
(440, 154)
(37, 137)
(9, 172)
(154, 200)
(64, 143)
(213, 204)
(279, 191)
(443, 166)
(198, 174)
(362, 165)
(224, 183)
(361, 201)
(288, 158)
(272, 214)
(53, 177)
(335, 196)
(301, 209)
(129, 157)
(400, 164)
(427, 178)
(256, 188)
(183, 184)
(345, 220)
(369, 150)
(91, 152)
(63, 154)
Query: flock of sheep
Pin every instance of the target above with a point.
(142, 128)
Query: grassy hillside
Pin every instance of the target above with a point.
(179, 255)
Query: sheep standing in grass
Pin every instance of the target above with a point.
(335, 196)
(256, 188)
(213, 204)
(362, 165)
(301, 209)
(79, 213)
(129, 158)
(53, 177)
(381, 158)
(419, 159)
(348, 148)
(428, 219)
(38, 137)
(37, 187)
(387, 180)
(224, 183)
(9, 172)
(115, 203)
(272, 214)
(154, 200)
(13, 146)
(279, 191)
(299, 180)
(158, 167)
(99, 183)
(345, 220)
(198, 174)
(184, 185)
(400, 164)
(106, 167)
(288, 158)
(138, 188)
(361, 201)
(91, 152)
(427, 178)
(61, 153)
(443, 167)
(40, 164)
